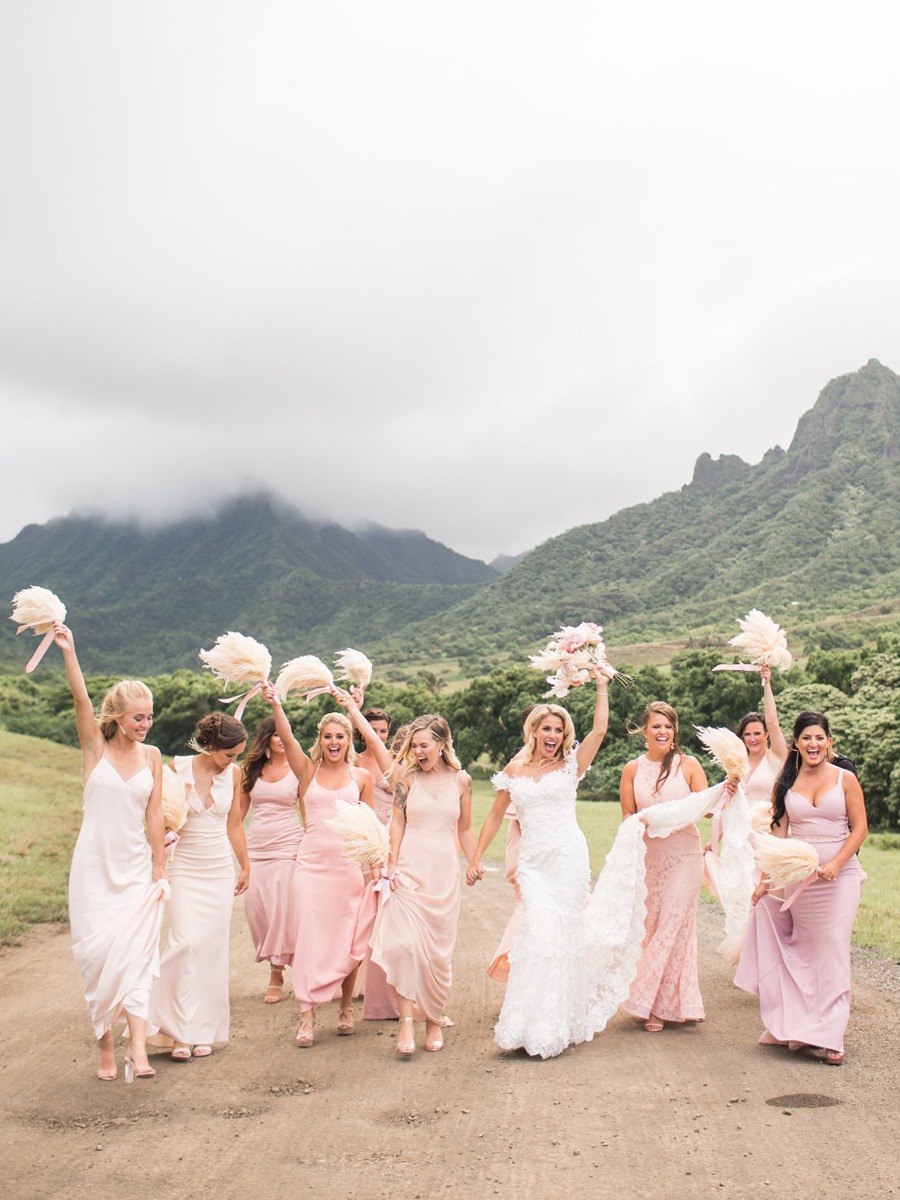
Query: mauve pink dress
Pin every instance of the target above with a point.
(335, 908)
(273, 841)
(666, 983)
(798, 961)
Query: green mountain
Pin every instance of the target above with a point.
(807, 534)
(145, 600)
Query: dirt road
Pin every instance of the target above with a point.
(699, 1111)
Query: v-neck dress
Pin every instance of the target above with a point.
(189, 1001)
(115, 909)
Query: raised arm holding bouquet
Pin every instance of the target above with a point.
(796, 954)
(117, 883)
(334, 906)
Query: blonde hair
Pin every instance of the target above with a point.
(117, 701)
(534, 719)
(439, 730)
(334, 718)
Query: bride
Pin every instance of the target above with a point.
(547, 1005)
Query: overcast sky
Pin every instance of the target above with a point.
(489, 269)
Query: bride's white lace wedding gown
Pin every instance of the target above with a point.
(548, 997)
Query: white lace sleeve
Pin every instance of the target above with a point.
(501, 781)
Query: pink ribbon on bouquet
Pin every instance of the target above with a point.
(737, 667)
(319, 691)
(244, 698)
(388, 881)
(46, 643)
(170, 841)
(801, 887)
(711, 857)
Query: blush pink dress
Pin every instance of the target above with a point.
(334, 906)
(758, 788)
(798, 961)
(273, 841)
(666, 983)
(415, 932)
(115, 909)
(380, 998)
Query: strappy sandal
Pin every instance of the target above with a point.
(654, 1024)
(834, 1058)
(433, 1044)
(181, 1052)
(133, 1072)
(304, 1038)
(274, 993)
(345, 1021)
(406, 1049)
(202, 1051)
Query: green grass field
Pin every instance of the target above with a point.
(40, 813)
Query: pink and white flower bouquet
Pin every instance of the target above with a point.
(571, 654)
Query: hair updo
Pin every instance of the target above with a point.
(217, 731)
(118, 700)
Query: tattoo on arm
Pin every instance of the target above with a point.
(400, 792)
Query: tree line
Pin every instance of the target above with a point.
(859, 691)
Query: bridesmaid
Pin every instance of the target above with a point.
(189, 1003)
(380, 1003)
(269, 788)
(334, 906)
(415, 931)
(117, 880)
(797, 959)
(666, 986)
(766, 745)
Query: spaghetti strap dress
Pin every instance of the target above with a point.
(380, 1002)
(415, 931)
(797, 960)
(273, 841)
(335, 909)
(115, 908)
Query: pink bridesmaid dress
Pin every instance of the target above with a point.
(666, 983)
(415, 932)
(798, 960)
(115, 909)
(380, 998)
(335, 908)
(758, 788)
(273, 841)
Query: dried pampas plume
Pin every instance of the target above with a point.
(353, 666)
(783, 860)
(761, 816)
(238, 660)
(365, 840)
(304, 674)
(764, 641)
(726, 749)
(174, 800)
(37, 608)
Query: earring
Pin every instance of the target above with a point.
(268, 753)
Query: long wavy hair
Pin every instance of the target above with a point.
(787, 777)
(532, 722)
(664, 710)
(257, 755)
(439, 730)
(334, 718)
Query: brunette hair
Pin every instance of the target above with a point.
(530, 728)
(748, 719)
(217, 731)
(439, 730)
(117, 702)
(334, 718)
(377, 714)
(787, 777)
(664, 710)
(257, 754)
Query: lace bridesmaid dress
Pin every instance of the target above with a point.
(546, 1007)
(115, 909)
(415, 932)
(666, 983)
(189, 1002)
(273, 841)
(798, 961)
(335, 909)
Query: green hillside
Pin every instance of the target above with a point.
(810, 534)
